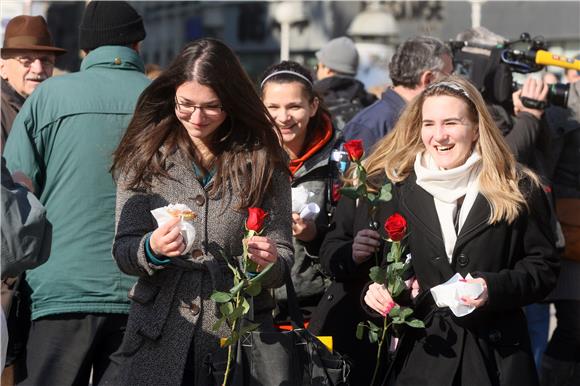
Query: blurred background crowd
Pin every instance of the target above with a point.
(259, 30)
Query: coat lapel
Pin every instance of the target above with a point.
(420, 205)
(183, 171)
(421, 208)
(477, 220)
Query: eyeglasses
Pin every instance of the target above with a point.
(27, 61)
(188, 110)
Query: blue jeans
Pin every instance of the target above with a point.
(538, 316)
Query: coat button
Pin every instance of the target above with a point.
(462, 260)
(117, 61)
(194, 309)
(494, 336)
(330, 297)
(199, 200)
(435, 259)
(197, 253)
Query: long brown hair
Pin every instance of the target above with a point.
(246, 144)
(500, 175)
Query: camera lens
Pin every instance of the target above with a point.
(558, 94)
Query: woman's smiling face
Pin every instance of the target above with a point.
(199, 110)
(289, 105)
(447, 131)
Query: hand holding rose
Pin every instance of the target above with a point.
(365, 243)
(259, 251)
(379, 299)
(262, 250)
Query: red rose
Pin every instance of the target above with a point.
(396, 226)
(354, 148)
(256, 217)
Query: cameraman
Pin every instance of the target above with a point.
(524, 129)
(561, 361)
(522, 126)
(528, 127)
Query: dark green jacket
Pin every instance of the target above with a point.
(62, 139)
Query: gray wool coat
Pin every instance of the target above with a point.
(171, 308)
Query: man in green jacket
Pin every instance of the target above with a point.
(62, 139)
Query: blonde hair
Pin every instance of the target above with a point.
(500, 174)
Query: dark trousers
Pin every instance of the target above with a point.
(63, 349)
(18, 326)
(561, 362)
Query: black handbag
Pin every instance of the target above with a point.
(280, 358)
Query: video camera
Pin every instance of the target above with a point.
(490, 68)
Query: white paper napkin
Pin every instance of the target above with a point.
(300, 197)
(310, 211)
(449, 294)
(187, 229)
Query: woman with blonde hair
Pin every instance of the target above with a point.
(471, 210)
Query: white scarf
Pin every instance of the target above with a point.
(446, 187)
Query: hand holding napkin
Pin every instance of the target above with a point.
(300, 197)
(449, 294)
(166, 213)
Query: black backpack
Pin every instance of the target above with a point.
(342, 110)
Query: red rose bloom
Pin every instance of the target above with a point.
(354, 148)
(396, 227)
(256, 217)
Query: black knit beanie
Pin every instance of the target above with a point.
(110, 23)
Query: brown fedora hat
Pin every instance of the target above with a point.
(29, 33)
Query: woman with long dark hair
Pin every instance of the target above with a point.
(200, 136)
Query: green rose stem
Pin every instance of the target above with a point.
(374, 226)
(238, 303)
(360, 191)
(250, 286)
(395, 253)
(390, 275)
(247, 281)
(249, 265)
(380, 349)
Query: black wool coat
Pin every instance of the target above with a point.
(340, 309)
(520, 265)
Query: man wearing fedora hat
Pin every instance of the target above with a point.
(62, 140)
(28, 56)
